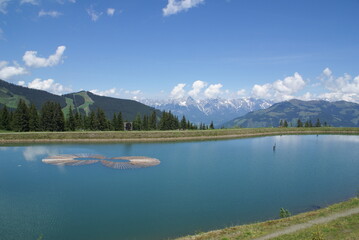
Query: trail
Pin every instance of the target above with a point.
(310, 223)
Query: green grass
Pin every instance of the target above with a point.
(88, 102)
(69, 103)
(334, 230)
(345, 228)
(9, 99)
(177, 135)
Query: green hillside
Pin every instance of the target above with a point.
(337, 114)
(86, 102)
(83, 101)
(10, 94)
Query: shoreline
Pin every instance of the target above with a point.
(161, 136)
(299, 226)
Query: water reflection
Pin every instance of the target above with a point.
(33, 153)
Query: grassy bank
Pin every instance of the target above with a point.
(153, 136)
(341, 228)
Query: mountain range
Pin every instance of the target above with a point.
(242, 112)
(217, 110)
(336, 114)
(82, 101)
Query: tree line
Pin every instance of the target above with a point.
(300, 123)
(51, 118)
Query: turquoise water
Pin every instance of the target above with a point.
(198, 186)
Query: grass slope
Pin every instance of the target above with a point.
(341, 228)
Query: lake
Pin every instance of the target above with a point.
(198, 186)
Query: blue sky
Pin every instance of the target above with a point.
(273, 49)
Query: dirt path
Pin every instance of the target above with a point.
(308, 224)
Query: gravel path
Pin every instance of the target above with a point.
(308, 224)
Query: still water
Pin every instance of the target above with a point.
(198, 186)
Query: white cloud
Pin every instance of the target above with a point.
(30, 58)
(108, 92)
(241, 92)
(7, 71)
(176, 6)
(261, 91)
(340, 88)
(93, 13)
(213, 90)
(21, 83)
(290, 84)
(49, 13)
(280, 90)
(72, 1)
(3, 6)
(48, 85)
(178, 91)
(110, 11)
(33, 2)
(327, 72)
(197, 86)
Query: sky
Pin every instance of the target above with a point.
(160, 49)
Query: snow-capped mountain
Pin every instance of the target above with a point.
(217, 110)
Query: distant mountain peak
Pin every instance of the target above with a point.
(218, 110)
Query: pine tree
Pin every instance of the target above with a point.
(34, 121)
(101, 118)
(52, 118)
(137, 123)
(120, 122)
(21, 117)
(145, 123)
(87, 122)
(211, 126)
(281, 123)
(153, 121)
(299, 123)
(59, 118)
(318, 124)
(285, 124)
(93, 122)
(183, 123)
(5, 119)
(115, 122)
(46, 116)
(79, 123)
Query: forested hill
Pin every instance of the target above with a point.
(10, 94)
(336, 114)
(84, 102)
